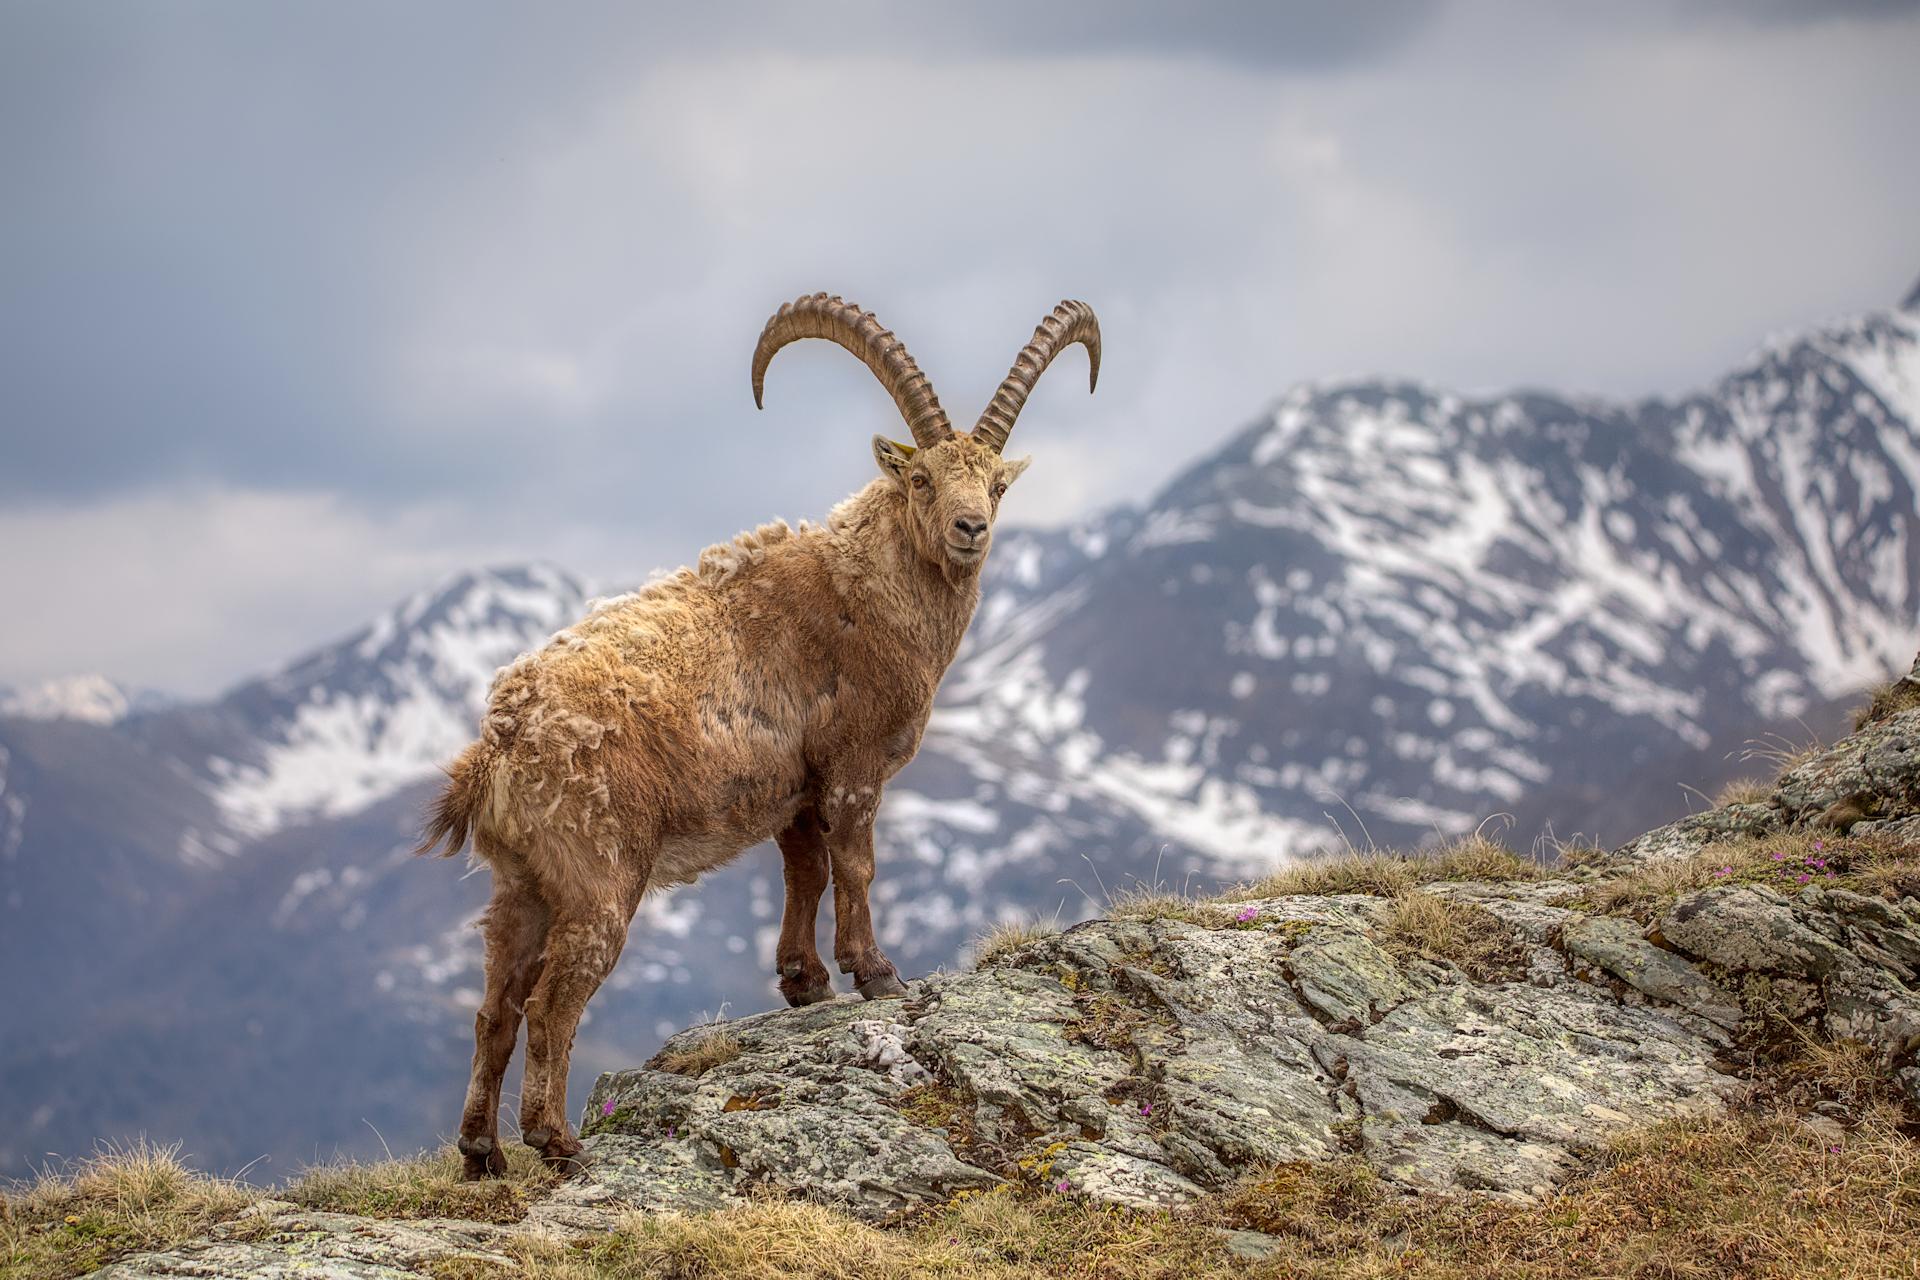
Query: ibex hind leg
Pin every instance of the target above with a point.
(515, 928)
(581, 951)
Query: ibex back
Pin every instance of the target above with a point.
(768, 693)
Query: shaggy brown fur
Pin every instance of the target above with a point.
(768, 693)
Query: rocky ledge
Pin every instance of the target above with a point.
(1149, 1059)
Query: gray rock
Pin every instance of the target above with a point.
(1876, 771)
(1681, 840)
(1620, 947)
(1502, 1088)
(1532, 908)
(1145, 1062)
(1847, 960)
(337, 1246)
(1896, 828)
(808, 1104)
(1252, 1245)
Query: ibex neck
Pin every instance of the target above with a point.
(925, 606)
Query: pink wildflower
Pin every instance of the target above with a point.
(1779, 857)
(1247, 915)
(1802, 878)
(606, 1108)
(1062, 1187)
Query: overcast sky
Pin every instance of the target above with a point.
(305, 307)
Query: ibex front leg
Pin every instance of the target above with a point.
(850, 848)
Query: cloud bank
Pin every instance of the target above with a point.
(307, 306)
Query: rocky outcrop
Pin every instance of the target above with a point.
(1149, 1061)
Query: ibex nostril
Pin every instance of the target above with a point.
(969, 526)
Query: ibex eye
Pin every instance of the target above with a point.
(919, 482)
(999, 489)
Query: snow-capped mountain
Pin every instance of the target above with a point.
(387, 706)
(1409, 609)
(1380, 612)
(91, 698)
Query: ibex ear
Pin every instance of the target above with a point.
(1011, 471)
(894, 458)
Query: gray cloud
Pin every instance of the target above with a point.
(447, 283)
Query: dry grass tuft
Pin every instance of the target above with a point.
(1380, 874)
(1846, 1072)
(715, 1046)
(1643, 891)
(1475, 857)
(1388, 874)
(1007, 937)
(1727, 1196)
(1743, 791)
(1320, 1210)
(1146, 903)
(1888, 699)
(1790, 861)
(1571, 855)
(1469, 937)
(426, 1186)
(123, 1200)
(998, 1236)
(1781, 753)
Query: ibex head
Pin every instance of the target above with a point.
(952, 482)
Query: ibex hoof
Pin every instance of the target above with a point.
(559, 1150)
(882, 987)
(481, 1158)
(812, 995)
(567, 1164)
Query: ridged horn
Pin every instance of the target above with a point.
(820, 316)
(1070, 322)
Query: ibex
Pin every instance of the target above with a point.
(768, 693)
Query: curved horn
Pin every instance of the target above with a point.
(1070, 322)
(819, 316)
